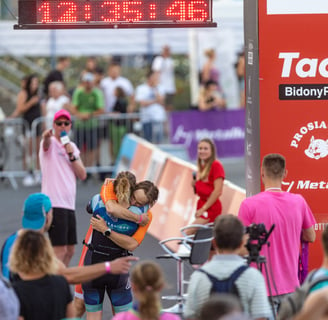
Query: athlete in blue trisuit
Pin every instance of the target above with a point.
(102, 247)
(97, 207)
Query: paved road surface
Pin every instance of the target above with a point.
(11, 202)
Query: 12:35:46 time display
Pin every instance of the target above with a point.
(88, 14)
(81, 11)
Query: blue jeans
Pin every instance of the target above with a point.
(153, 131)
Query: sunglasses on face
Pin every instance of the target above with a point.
(60, 123)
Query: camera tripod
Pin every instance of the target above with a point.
(261, 261)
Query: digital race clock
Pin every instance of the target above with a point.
(71, 14)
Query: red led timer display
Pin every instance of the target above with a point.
(100, 13)
(57, 11)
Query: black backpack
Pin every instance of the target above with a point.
(226, 285)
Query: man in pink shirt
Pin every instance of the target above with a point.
(293, 220)
(60, 165)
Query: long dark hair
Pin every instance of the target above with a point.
(28, 85)
(151, 191)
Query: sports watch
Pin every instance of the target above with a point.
(72, 158)
(107, 232)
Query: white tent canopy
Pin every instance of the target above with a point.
(227, 39)
(227, 13)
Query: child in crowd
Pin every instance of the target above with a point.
(147, 282)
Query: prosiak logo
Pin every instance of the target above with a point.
(303, 68)
(316, 147)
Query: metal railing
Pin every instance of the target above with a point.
(26, 62)
(99, 138)
(9, 85)
(12, 66)
(14, 149)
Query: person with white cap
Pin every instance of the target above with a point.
(164, 65)
(61, 166)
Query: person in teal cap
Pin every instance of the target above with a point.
(37, 215)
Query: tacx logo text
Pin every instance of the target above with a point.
(305, 67)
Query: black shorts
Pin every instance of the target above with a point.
(117, 286)
(63, 228)
(86, 138)
(169, 99)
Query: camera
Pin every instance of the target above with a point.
(258, 236)
(256, 231)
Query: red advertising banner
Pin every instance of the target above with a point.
(293, 72)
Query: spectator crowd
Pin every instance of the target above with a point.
(234, 282)
(243, 277)
(103, 100)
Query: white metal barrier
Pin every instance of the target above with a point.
(14, 149)
(99, 139)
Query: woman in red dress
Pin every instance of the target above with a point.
(208, 183)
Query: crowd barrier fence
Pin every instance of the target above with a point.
(99, 138)
(176, 205)
(14, 149)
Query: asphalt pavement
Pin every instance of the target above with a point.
(11, 203)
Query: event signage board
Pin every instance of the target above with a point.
(69, 14)
(293, 74)
(225, 128)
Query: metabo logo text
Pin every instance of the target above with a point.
(304, 68)
(306, 185)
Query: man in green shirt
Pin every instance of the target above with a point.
(87, 103)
